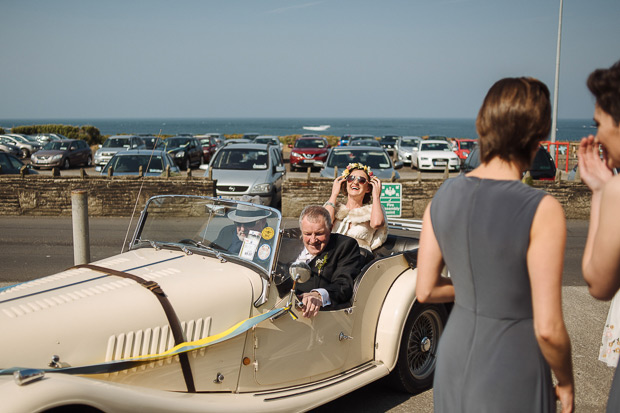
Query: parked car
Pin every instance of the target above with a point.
(270, 139)
(377, 158)
(462, 147)
(44, 138)
(115, 144)
(185, 150)
(26, 146)
(305, 151)
(435, 155)
(250, 136)
(154, 162)
(542, 168)
(248, 169)
(209, 146)
(63, 154)
(177, 323)
(10, 164)
(344, 140)
(7, 147)
(365, 142)
(151, 141)
(389, 142)
(406, 147)
(353, 138)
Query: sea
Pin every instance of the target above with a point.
(567, 129)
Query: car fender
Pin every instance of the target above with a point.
(398, 303)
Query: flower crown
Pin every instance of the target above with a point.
(353, 166)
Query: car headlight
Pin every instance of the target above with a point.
(261, 188)
(295, 155)
(180, 154)
(56, 158)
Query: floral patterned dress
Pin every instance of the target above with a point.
(610, 345)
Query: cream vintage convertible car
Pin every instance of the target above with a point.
(177, 323)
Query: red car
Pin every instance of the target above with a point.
(307, 150)
(209, 146)
(462, 147)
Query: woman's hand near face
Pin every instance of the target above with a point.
(376, 188)
(336, 187)
(593, 170)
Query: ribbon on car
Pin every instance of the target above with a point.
(124, 364)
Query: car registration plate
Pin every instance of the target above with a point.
(441, 163)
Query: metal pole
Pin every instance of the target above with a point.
(554, 119)
(79, 210)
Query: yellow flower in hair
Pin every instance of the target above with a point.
(353, 166)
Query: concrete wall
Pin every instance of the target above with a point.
(47, 196)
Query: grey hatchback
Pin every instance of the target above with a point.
(64, 153)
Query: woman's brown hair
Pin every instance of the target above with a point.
(515, 116)
(605, 86)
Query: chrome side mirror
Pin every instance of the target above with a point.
(299, 271)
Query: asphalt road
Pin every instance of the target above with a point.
(32, 247)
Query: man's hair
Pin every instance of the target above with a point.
(515, 116)
(605, 86)
(313, 212)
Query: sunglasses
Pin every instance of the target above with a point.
(359, 179)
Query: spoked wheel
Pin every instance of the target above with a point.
(415, 367)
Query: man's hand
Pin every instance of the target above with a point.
(312, 303)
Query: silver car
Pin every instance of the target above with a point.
(25, 145)
(10, 148)
(115, 144)
(376, 158)
(406, 147)
(248, 169)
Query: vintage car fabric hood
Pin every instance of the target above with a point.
(88, 317)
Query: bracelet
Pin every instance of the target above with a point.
(329, 204)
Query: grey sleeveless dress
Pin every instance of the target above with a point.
(488, 357)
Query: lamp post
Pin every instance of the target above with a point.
(554, 118)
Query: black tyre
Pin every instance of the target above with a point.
(415, 367)
(66, 164)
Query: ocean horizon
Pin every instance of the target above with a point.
(567, 129)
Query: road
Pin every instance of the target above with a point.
(32, 247)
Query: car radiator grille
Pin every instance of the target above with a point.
(232, 188)
(154, 340)
(441, 161)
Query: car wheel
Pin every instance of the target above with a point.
(25, 153)
(415, 367)
(66, 164)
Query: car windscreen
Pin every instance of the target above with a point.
(435, 146)
(374, 159)
(266, 140)
(241, 159)
(132, 164)
(116, 143)
(213, 226)
(57, 146)
(310, 143)
(364, 142)
(468, 145)
(175, 143)
(409, 142)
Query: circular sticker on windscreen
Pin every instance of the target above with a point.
(264, 251)
(268, 233)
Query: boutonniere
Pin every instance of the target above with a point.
(319, 264)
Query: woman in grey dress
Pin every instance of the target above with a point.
(503, 243)
(601, 257)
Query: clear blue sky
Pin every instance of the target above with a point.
(292, 58)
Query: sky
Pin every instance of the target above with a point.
(292, 58)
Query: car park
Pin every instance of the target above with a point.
(153, 162)
(10, 164)
(248, 169)
(115, 144)
(7, 147)
(389, 142)
(376, 158)
(26, 146)
(178, 323)
(63, 154)
(306, 150)
(406, 147)
(185, 150)
(462, 147)
(542, 168)
(435, 155)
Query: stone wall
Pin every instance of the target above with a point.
(297, 193)
(47, 196)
